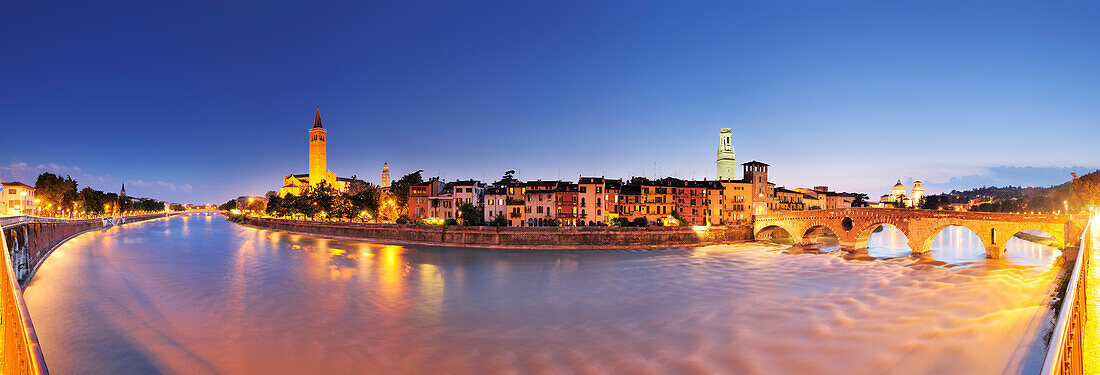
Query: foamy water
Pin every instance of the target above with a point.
(200, 295)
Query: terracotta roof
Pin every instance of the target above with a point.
(631, 189)
(18, 184)
(467, 183)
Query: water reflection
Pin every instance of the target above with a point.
(221, 298)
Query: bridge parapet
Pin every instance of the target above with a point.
(868, 212)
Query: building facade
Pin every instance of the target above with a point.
(493, 203)
(18, 199)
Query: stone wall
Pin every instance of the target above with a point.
(513, 237)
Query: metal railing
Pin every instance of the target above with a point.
(20, 353)
(1065, 355)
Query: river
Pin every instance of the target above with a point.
(200, 295)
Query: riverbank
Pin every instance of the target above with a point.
(535, 238)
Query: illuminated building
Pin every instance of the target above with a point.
(727, 163)
(539, 205)
(899, 196)
(566, 198)
(493, 202)
(318, 165)
(17, 199)
(385, 176)
(420, 198)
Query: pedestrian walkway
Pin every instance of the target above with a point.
(1091, 333)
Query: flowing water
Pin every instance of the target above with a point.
(200, 295)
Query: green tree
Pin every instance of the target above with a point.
(366, 200)
(91, 201)
(861, 200)
(499, 221)
(619, 222)
(55, 194)
(1086, 192)
(357, 185)
(640, 222)
(227, 206)
(274, 205)
(400, 188)
(471, 215)
(508, 178)
(343, 208)
(679, 220)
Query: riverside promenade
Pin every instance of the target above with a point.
(1091, 332)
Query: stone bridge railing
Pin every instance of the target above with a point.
(853, 226)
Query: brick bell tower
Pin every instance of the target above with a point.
(318, 154)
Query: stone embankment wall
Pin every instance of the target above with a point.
(28, 243)
(513, 237)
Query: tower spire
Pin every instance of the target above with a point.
(317, 118)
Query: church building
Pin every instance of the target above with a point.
(318, 165)
(899, 196)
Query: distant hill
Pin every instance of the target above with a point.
(1013, 198)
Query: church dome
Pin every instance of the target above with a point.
(898, 190)
(918, 185)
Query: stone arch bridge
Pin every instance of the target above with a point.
(853, 226)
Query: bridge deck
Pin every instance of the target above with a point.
(1091, 339)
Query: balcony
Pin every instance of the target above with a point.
(514, 202)
(515, 215)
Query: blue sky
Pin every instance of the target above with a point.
(204, 101)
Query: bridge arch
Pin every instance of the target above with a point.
(813, 233)
(923, 243)
(1057, 239)
(862, 230)
(775, 233)
(1025, 247)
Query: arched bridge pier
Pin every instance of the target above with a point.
(853, 226)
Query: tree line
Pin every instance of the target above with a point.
(58, 196)
(1080, 195)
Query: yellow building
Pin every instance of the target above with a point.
(318, 165)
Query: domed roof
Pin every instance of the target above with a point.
(899, 185)
(917, 184)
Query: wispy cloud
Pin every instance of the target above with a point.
(27, 173)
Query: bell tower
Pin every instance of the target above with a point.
(727, 163)
(318, 154)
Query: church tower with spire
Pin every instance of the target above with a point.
(123, 192)
(318, 152)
